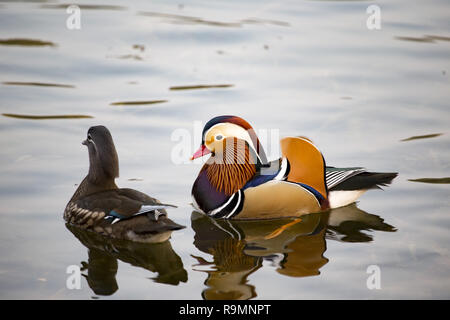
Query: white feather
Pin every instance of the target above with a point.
(282, 173)
(215, 211)
(237, 205)
(148, 208)
(342, 198)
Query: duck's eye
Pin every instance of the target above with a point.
(219, 137)
(89, 137)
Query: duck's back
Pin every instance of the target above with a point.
(120, 213)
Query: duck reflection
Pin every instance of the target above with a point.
(348, 224)
(102, 262)
(295, 247)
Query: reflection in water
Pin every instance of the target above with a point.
(26, 42)
(228, 279)
(348, 223)
(295, 247)
(101, 272)
(182, 19)
(103, 254)
(175, 18)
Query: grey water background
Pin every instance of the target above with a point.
(307, 68)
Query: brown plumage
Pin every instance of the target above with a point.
(231, 168)
(233, 186)
(307, 163)
(121, 213)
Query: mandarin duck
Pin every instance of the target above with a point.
(238, 182)
(122, 213)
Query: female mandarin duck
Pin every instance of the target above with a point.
(98, 204)
(238, 182)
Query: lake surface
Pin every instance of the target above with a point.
(372, 98)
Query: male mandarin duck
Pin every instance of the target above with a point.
(238, 182)
(99, 205)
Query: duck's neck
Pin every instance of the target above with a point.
(229, 170)
(229, 178)
(222, 176)
(90, 186)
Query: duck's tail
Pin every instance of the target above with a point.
(346, 185)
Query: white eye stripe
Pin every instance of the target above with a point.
(89, 137)
(233, 130)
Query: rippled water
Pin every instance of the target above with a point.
(373, 98)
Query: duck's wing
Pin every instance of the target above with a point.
(306, 163)
(117, 205)
(346, 185)
(297, 188)
(335, 176)
(356, 178)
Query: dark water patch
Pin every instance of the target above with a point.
(426, 136)
(195, 87)
(445, 180)
(139, 47)
(128, 57)
(135, 179)
(424, 39)
(265, 21)
(415, 39)
(47, 117)
(31, 1)
(84, 6)
(176, 18)
(26, 42)
(38, 84)
(134, 103)
(438, 38)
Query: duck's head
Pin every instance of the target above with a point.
(103, 159)
(220, 128)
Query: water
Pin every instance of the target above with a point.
(307, 68)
